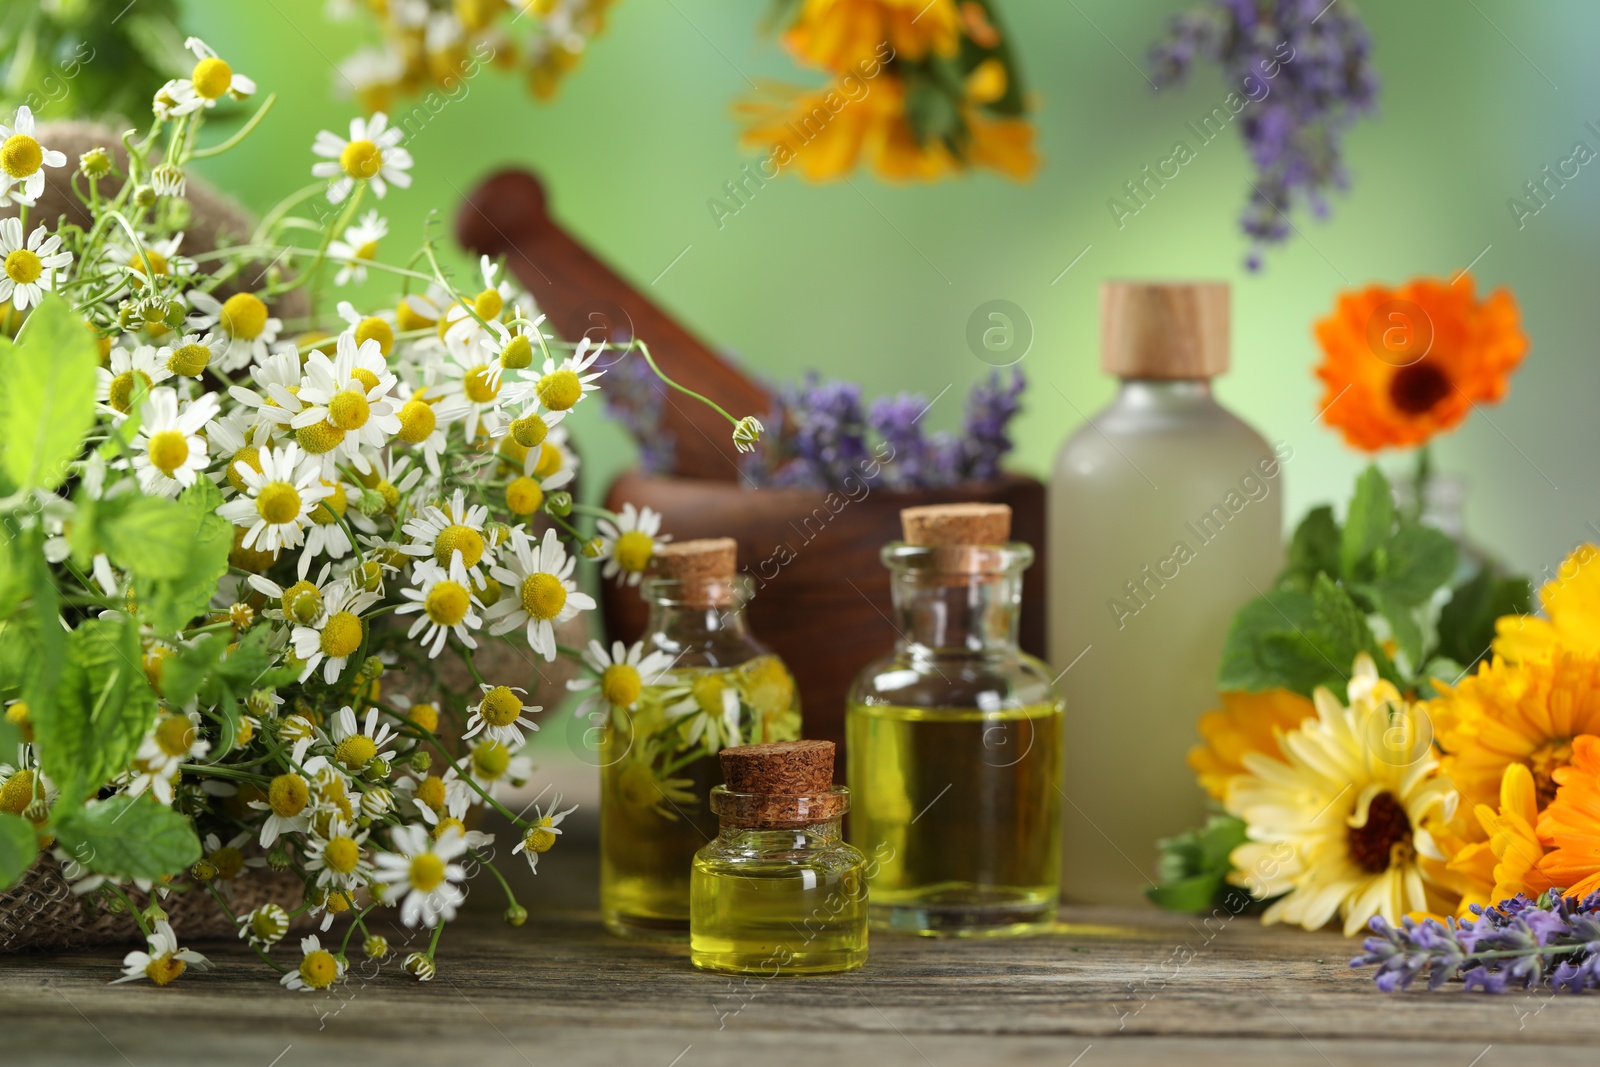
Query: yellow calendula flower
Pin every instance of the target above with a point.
(840, 33)
(1506, 861)
(1571, 600)
(1246, 722)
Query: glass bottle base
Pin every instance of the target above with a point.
(763, 965)
(929, 919)
(645, 927)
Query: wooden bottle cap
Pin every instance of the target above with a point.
(781, 783)
(956, 524)
(1164, 329)
(710, 558)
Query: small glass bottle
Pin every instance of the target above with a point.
(779, 892)
(956, 739)
(659, 758)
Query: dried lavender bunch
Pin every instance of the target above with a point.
(1302, 71)
(1518, 944)
(990, 408)
(921, 460)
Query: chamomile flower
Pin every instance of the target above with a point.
(227, 859)
(172, 741)
(372, 154)
(318, 968)
(326, 535)
(525, 493)
(540, 837)
(424, 417)
(300, 603)
(377, 327)
(498, 715)
(349, 393)
(357, 744)
(461, 325)
(336, 636)
(446, 604)
(264, 926)
(538, 577)
(115, 386)
(473, 382)
(337, 860)
(169, 453)
(231, 438)
(162, 961)
(28, 269)
(561, 385)
(628, 544)
(23, 159)
(190, 357)
(357, 247)
(421, 874)
(619, 675)
(452, 820)
(211, 80)
(492, 765)
(155, 258)
(513, 346)
(287, 804)
(747, 433)
(441, 532)
(274, 401)
(244, 322)
(277, 499)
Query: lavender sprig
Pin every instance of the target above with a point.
(990, 408)
(1518, 944)
(1304, 68)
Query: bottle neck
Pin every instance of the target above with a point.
(691, 625)
(945, 614)
(823, 831)
(1162, 394)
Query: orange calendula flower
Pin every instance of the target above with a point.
(837, 34)
(1246, 722)
(1506, 861)
(1571, 600)
(1404, 364)
(1572, 822)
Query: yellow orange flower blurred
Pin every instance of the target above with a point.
(1246, 722)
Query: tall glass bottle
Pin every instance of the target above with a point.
(659, 758)
(1165, 518)
(955, 739)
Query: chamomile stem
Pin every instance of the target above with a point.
(138, 917)
(511, 898)
(243, 131)
(434, 944)
(644, 350)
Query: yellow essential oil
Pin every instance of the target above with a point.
(779, 891)
(960, 808)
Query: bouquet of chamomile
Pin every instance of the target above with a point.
(211, 496)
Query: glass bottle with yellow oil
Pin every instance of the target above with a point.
(659, 755)
(779, 891)
(955, 739)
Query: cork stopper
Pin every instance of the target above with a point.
(704, 567)
(956, 524)
(781, 783)
(1164, 329)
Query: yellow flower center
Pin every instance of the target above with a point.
(707, 692)
(319, 969)
(361, 159)
(543, 595)
(549, 460)
(120, 395)
(149, 262)
(164, 969)
(426, 717)
(278, 503)
(457, 538)
(539, 838)
(407, 318)
(332, 507)
(355, 751)
(478, 387)
(211, 77)
(319, 437)
(427, 871)
(368, 380)
(21, 156)
(349, 410)
(430, 790)
(1544, 761)
(248, 456)
(524, 495)
(529, 430)
(633, 551)
(488, 591)
(341, 635)
(620, 685)
(228, 861)
(500, 707)
(373, 328)
(518, 353)
(342, 854)
(190, 361)
(24, 267)
(366, 251)
(337, 903)
(301, 602)
(491, 759)
(175, 734)
(489, 304)
(243, 316)
(288, 795)
(17, 793)
(1384, 838)
(417, 421)
(169, 450)
(448, 603)
(560, 389)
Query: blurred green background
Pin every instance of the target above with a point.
(876, 282)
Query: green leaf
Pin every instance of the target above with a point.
(99, 710)
(147, 535)
(1466, 622)
(1194, 865)
(1417, 561)
(1314, 549)
(207, 538)
(18, 846)
(49, 394)
(1402, 620)
(1243, 664)
(14, 584)
(1369, 522)
(129, 837)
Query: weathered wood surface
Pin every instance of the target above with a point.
(1131, 986)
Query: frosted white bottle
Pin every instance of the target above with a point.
(1165, 518)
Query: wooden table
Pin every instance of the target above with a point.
(1112, 986)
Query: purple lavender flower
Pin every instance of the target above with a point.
(1305, 67)
(990, 408)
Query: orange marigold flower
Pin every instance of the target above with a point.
(1404, 364)
(1571, 600)
(1572, 822)
(1246, 722)
(1506, 861)
(837, 34)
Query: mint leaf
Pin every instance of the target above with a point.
(129, 837)
(1402, 621)
(1245, 663)
(1368, 524)
(1194, 866)
(1417, 561)
(49, 394)
(146, 535)
(1314, 549)
(1466, 622)
(207, 539)
(18, 847)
